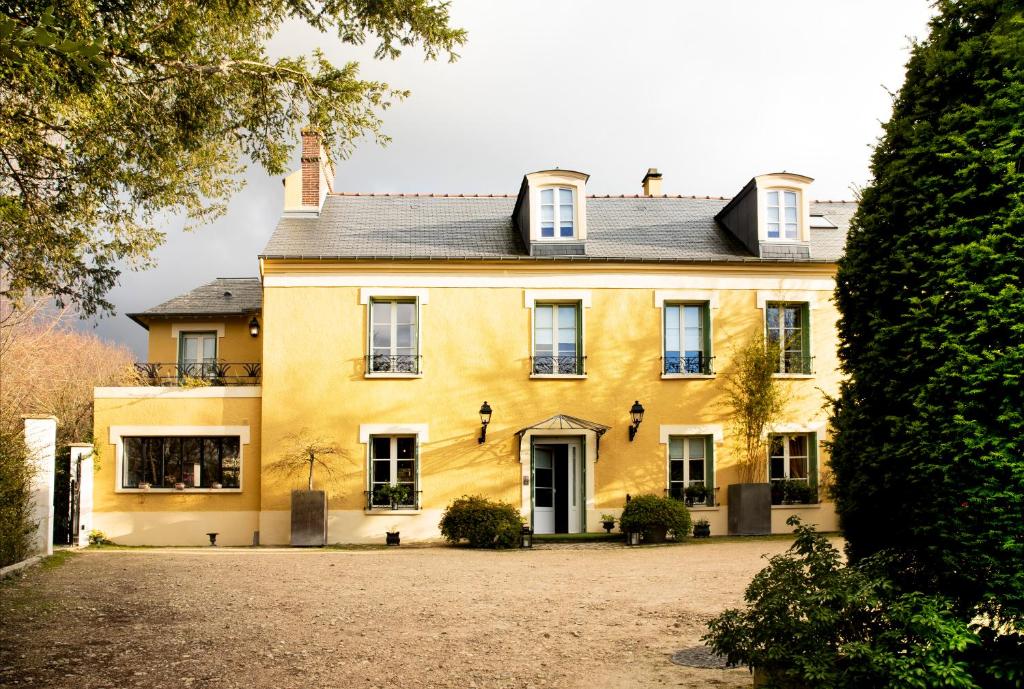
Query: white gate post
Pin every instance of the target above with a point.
(81, 456)
(41, 440)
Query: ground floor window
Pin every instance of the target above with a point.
(791, 467)
(690, 469)
(393, 471)
(181, 462)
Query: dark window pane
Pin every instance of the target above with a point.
(405, 471)
(406, 448)
(172, 462)
(696, 469)
(543, 497)
(798, 467)
(676, 491)
(153, 451)
(231, 462)
(778, 464)
(191, 455)
(381, 448)
(382, 472)
(675, 471)
(542, 478)
(133, 463)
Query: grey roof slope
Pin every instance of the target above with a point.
(405, 226)
(221, 297)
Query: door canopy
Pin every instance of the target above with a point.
(562, 422)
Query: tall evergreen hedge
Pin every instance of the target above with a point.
(928, 456)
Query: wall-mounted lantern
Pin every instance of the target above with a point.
(254, 327)
(485, 418)
(637, 414)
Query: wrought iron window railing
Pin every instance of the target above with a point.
(796, 363)
(571, 365)
(393, 363)
(377, 501)
(694, 365)
(205, 373)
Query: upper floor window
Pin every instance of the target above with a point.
(394, 346)
(557, 213)
(782, 214)
(197, 354)
(687, 339)
(393, 471)
(556, 339)
(788, 329)
(181, 462)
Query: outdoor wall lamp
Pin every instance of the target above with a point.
(254, 327)
(637, 412)
(485, 418)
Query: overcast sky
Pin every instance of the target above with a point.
(710, 93)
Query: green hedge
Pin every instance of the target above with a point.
(650, 515)
(483, 523)
(16, 526)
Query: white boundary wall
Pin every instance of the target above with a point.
(41, 439)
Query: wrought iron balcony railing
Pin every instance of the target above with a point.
(393, 363)
(694, 365)
(202, 373)
(796, 363)
(375, 500)
(570, 365)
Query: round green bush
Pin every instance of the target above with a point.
(483, 523)
(653, 516)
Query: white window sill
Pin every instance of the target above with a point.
(687, 376)
(557, 376)
(174, 491)
(809, 506)
(703, 508)
(793, 376)
(388, 512)
(392, 375)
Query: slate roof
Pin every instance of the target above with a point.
(623, 228)
(221, 297)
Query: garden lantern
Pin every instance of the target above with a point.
(632, 538)
(526, 537)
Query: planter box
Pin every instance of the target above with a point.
(750, 509)
(309, 518)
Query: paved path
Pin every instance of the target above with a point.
(595, 616)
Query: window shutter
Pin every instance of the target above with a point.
(416, 475)
(705, 310)
(805, 336)
(709, 468)
(812, 461)
(581, 364)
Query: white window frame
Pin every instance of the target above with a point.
(804, 337)
(705, 343)
(782, 222)
(556, 214)
(786, 456)
(539, 302)
(687, 481)
(394, 300)
(393, 460)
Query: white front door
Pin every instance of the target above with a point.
(557, 467)
(544, 489)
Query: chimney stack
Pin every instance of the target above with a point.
(314, 160)
(652, 182)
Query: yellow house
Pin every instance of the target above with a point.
(388, 325)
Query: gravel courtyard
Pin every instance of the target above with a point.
(569, 617)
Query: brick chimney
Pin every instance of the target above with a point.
(306, 188)
(652, 182)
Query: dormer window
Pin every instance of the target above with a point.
(782, 214)
(557, 213)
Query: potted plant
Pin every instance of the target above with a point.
(391, 494)
(608, 522)
(701, 528)
(655, 517)
(393, 537)
(180, 485)
(216, 485)
(309, 507)
(753, 400)
(145, 486)
(695, 493)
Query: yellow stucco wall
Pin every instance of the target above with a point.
(476, 342)
(236, 346)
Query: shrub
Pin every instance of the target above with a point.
(97, 537)
(650, 515)
(484, 523)
(793, 492)
(811, 621)
(16, 524)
